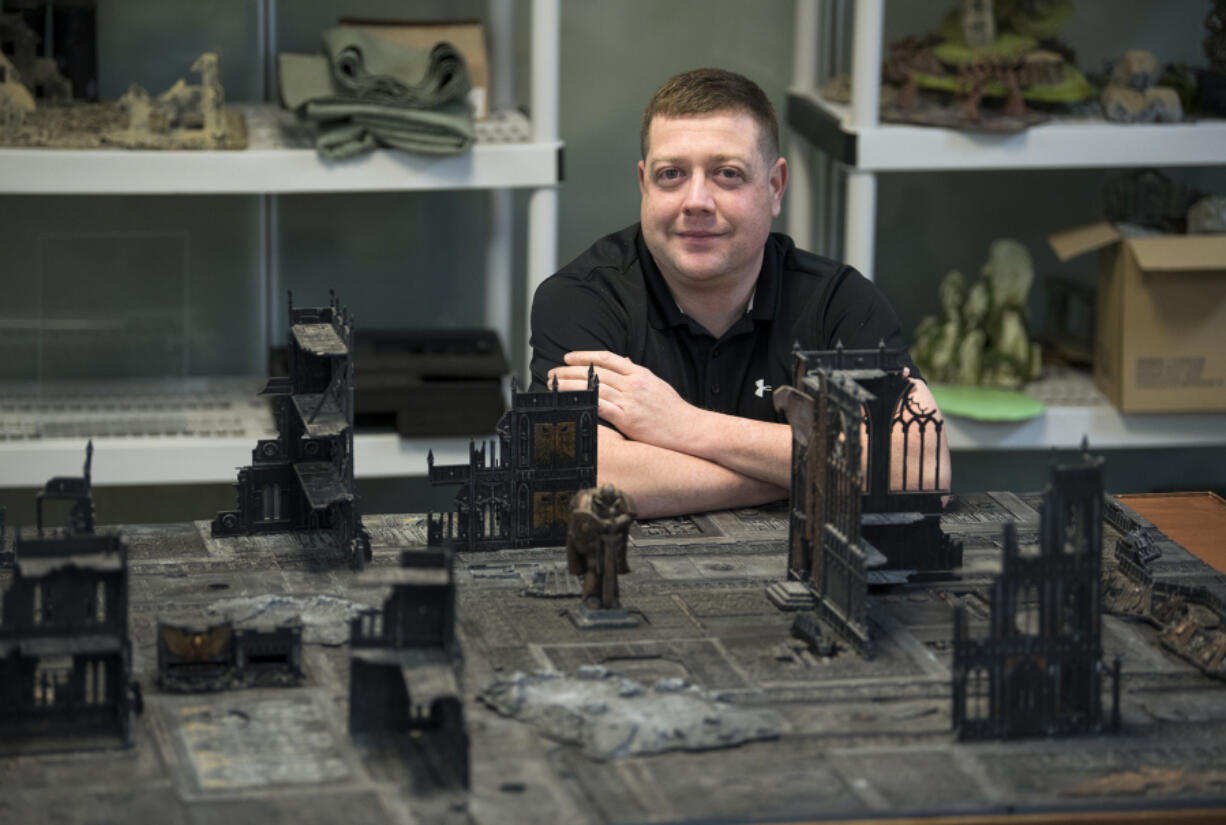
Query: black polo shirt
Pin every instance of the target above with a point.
(613, 297)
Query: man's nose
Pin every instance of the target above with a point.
(698, 194)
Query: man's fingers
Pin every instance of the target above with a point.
(601, 358)
(574, 383)
(606, 377)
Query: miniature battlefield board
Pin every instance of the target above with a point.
(706, 709)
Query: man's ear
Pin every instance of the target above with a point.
(778, 184)
(642, 178)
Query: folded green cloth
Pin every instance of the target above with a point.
(368, 92)
(347, 128)
(365, 64)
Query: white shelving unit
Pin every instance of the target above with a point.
(281, 159)
(196, 460)
(1076, 409)
(512, 152)
(857, 147)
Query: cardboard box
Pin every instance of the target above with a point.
(1160, 334)
(468, 36)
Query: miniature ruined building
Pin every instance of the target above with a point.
(520, 495)
(303, 478)
(843, 523)
(405, 666)
(40, 75)
(199, 656)
(65, 657)
(1038, 671)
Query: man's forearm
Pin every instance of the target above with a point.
(664, 482)
(758, 449)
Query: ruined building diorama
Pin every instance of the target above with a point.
(1039, 671)
(65, 656)
(185, 116)
(196, 655)
(303, 479)
(405, 663)
(516, 491)
(849, 514)
(1138, 583)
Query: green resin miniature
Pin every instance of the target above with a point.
(982, 334)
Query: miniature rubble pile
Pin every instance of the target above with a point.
(367, 92)
(1146, 201)
(611, 716)
(325, 619)
(1137, 582)
(1133, 95)
(982, 335)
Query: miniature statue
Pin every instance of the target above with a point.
(982, 336)
(979, 22)
(596, 543)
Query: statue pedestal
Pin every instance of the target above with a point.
(587, 619)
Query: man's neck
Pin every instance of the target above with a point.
(715, 305)
(717, 311)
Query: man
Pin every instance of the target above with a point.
(690, 316)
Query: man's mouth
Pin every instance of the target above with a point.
(698, 235)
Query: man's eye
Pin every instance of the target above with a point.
(668, 174)
(730, 174)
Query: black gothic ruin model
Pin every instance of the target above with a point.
(65, 657)
(843, 520)
(303, 478)
(520, 494)
(404, 674)
(1038, 671)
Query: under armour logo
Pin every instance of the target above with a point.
(762, 387)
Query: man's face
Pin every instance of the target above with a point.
(708, 198)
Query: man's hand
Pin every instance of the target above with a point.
(640, 404)
(647, 410)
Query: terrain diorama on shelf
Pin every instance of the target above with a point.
(1000, 67)
(37, 108)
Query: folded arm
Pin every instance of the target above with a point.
(676, 458)
(666, 483)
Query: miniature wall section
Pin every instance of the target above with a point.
(304, 478)
(516, 491)
(197, 656)
(405, 665)
(65, 656)
(903, 522)
(1038, 672)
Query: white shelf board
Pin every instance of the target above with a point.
(196, 460)
(281, 159)
(1105, 427)
(1064, 143)
(1076, 409)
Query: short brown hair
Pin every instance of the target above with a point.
(706, 91)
